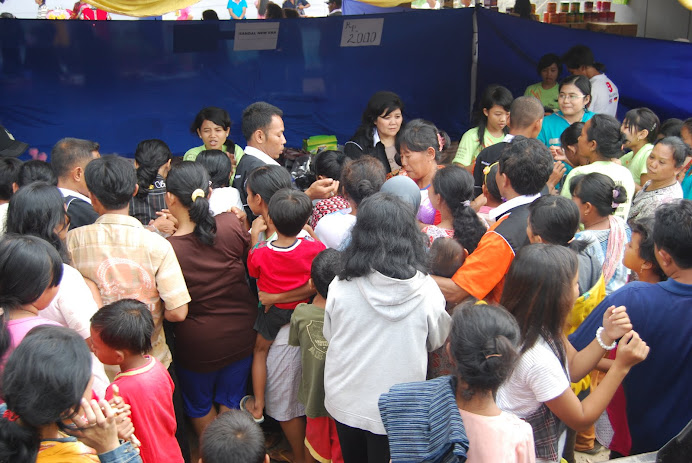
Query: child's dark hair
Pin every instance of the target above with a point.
(219, 117)
(329, 164)
(644, 227)
(362, 178)
(42, 383)
(233, 437)
(150, 156)
(267, 180)
(218, 166)
(673, 231)
(418, 135)
(605, 130)
(381, 217)
(9, 174)
(38, 209)
(556, 219)
(183, 182)
(527, 163)
(490, 181)
(36, 171)
(455, 186)
(445, 257)
(538, 291)
(548, 60)
(28, 266)
(494, 95)
(126, 324)
(599, 190)
(112, 180)
(670, 128)
(484, 342)
(642, 119)
(581, 55)
(325, 267)
(678, 147)
(289, 211)
(570, 136)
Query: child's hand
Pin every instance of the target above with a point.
(242, 216)
(258, 226)
(479, 202)
(558, 171)
(558, 153)
(266, 299)
(616, 323)
(631, 351)
(97, 428)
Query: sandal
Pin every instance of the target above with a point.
(242, 407)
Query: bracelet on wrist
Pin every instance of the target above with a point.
(600, 341)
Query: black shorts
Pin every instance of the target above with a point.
(268, 324)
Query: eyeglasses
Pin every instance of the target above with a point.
(569, 96)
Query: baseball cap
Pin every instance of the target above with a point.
(9, 147)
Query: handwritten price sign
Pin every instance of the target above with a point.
(362, 32)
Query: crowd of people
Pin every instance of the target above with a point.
(501, 302)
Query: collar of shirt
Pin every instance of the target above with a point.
(261, 155)
(375, 137)
(508, 138)
(65, 192)
(511, 204)
(119, 219)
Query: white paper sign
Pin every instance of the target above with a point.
(258, 35)
(362, 32)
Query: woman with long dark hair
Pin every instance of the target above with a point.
(214, 343)
(540, 290)
(376, 136)
(383, 314)
(152, 161)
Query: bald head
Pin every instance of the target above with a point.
(525, 114)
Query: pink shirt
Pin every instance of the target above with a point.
(504, 438)
(19, 328)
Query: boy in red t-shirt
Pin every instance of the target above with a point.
(279, 266)
(121, 335)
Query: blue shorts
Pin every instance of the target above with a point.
(224, 387)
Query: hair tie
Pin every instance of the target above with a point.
(492, 355)
(481, 302)
(440, 141)
(10, 415)
(614, 205)
(198, 193)
(466, 203)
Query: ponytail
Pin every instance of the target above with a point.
(189, 182)
(19, 441)
(150, 156)
(455, 185)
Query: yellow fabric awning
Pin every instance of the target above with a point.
(141, 8)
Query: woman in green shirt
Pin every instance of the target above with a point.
(213, 126)
(546, 90)
(640, 127)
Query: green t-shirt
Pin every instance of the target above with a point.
(548, 97)
(619, 174)
(192, 154)
(307, 323)
(636, 162)
(470, 146)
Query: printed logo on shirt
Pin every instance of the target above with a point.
(319, 344)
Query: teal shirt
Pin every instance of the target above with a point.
(554, 125)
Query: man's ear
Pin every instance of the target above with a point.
(77, 174)
(136, 190)
(665, 260)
